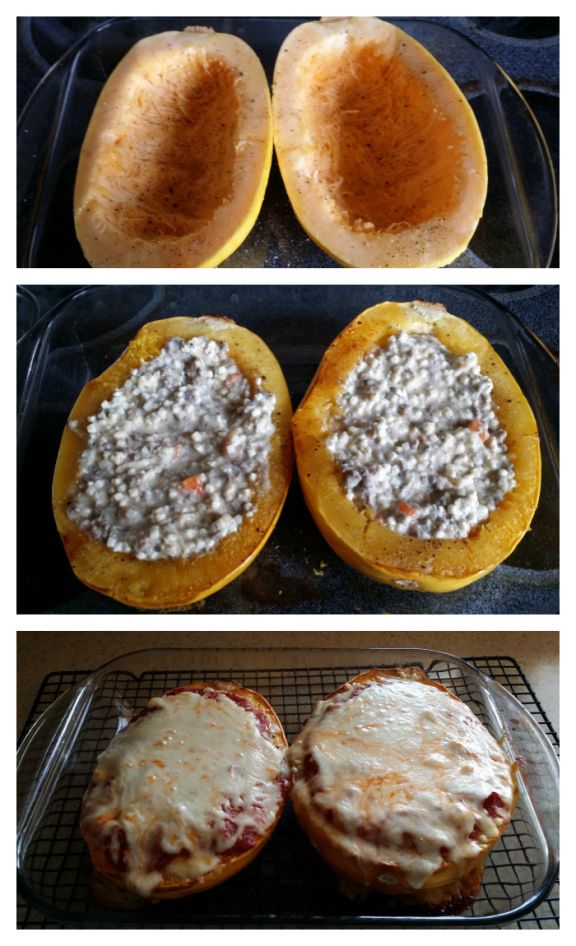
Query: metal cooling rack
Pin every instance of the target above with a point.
(60, 861)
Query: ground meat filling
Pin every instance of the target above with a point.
(417, 439)
(174, 460)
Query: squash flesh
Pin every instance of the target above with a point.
(361, 540)
(380, 153)
(171, 186)
(175, 161)
(175, 583)
(392, 156)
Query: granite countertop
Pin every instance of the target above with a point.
(41, 652)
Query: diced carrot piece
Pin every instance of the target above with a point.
(193, 484)
(406, 509)
(477, 426)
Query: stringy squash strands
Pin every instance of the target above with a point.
(176, 158)
(175, 583)
(355, 535)
(380, 153)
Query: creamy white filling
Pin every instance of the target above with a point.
(417, 439)
(175, 458)
(402, 775)
(188, 778)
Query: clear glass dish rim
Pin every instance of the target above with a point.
(485, 680)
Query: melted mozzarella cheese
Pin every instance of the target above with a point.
(187, 779)
(400, 771)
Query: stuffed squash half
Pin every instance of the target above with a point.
(402, 789)
(175, 463)
(186, 795)
(417, 452)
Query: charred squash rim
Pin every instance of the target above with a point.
(449, 887)
(365, 202)
(175, 583)
(170, 207)
(108, 882)
(405, 561)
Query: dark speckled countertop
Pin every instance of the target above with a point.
(536, 306)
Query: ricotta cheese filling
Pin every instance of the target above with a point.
(417, 440)
(189, 781)
(404, 775)
(175, 459)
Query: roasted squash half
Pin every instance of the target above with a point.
(176, 158)
(380, 152)
(109, 881)
(355, 534)
(174, 583)
(373, 864)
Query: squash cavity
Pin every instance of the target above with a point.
(191, 126)
(391, 158)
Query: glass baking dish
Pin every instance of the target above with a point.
(27, 311)
(520, 218)
(288, 884)
(296, 571)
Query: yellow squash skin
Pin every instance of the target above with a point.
(174, 583)
(355, 535)
(175, 161)
(380, 153)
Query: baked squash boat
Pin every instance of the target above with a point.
(417, 452)
(186, 795)
(175, 463)
(401, 788)
(380, 152)
(175, 161)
